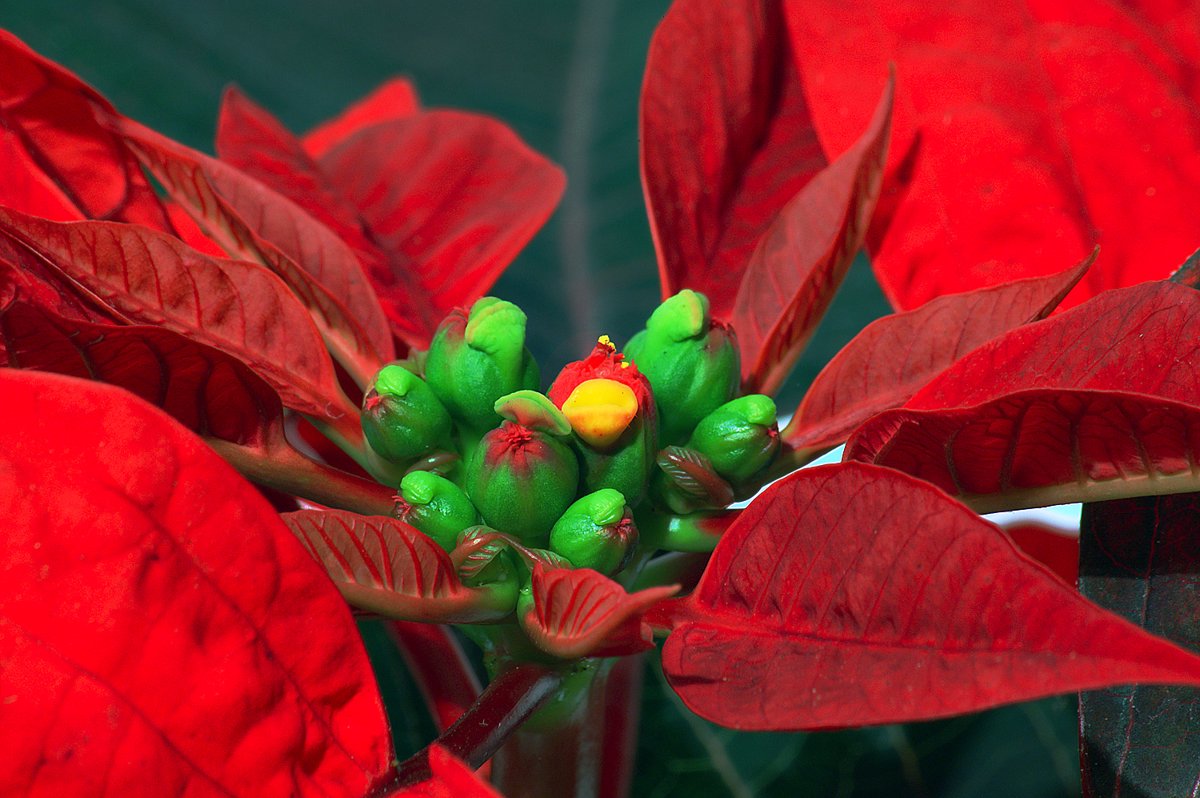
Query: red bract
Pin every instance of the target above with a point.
(162, 633)
(1025, 134)
(165, 631)
(850, 594)
(436, 203)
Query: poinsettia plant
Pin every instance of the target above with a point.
(252, 395)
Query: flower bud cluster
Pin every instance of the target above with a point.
(560, 478)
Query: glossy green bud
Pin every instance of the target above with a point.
(436, 506)
(475, 359)
(596, 532)
(691, 361)
(523, 475)
(402, 418)
(740, 438)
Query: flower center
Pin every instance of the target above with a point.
(600, 410)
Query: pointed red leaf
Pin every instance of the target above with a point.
(450, 779)
(803, 256)
(1096, 403)
(251, 221)
(580, 612)
(209, 392)
(237, 307)
(451, 198)
(59, 161)
(726, 140)
(997, 171)
(255, 142)
(849, 594)
(1138, 339)
(1041, 447)
(161, 631)
(894, 356)
(395, 99)
(388, 567)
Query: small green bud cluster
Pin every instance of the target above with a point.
(560, 478)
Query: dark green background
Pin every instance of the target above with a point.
(565, 75)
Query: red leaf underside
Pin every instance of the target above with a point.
(257, 144)
(386, 566)
(1042, 447)
(726, 140)
(450, 198)
(580, 612)
(251, 221)
(889, 361)
(237, 307)
(803, 256)
(850, 594)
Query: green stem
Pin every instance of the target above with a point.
(348, 437)
(696, 532)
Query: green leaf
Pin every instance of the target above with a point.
(1139, 558)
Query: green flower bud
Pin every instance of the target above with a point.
(740, 438)
(435, 506)
(476, 359)
(523, 475)
(691, 361)
(596, 532)
(401, 418)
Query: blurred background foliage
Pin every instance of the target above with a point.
(565, 75)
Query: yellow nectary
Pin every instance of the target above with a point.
(600, 410)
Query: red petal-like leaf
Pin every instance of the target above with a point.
(894, 356)
(237, 307)
(1096, 403)
(1139, 339)
(388, 567)
(206, 390)
(1041, 447)
(451, 198)
(450, 779)
(250, 220)
(850, 594)
(161, 631)
(997, 171)
(804, 255)
(59, 161)
(726, 140)
(395, 99)
(580, 612)
(1140, 559)
(256, 143)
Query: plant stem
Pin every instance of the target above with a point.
(439, 667)
(586, 753)
(285, 469)
(507, 702)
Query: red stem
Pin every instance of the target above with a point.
(589, 752)
(287, 470)
(506, 703)
(439, 667)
